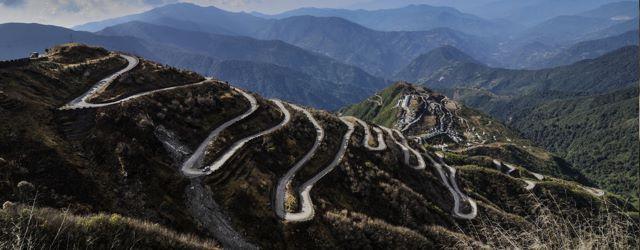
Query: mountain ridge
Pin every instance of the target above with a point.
(132, 156)
(399, 19)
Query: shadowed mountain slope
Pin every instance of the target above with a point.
(213, 160)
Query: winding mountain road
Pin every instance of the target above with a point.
(406, 149)
(101, 86)
(381, 144)
(530, 184)
(499, 164)
(368, 137)
(81, 102)
(281, 187)
(452, 186)
(510, 167)
(190, 168)
(307, 211)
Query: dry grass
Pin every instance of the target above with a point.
(556, 227)
(24, 227)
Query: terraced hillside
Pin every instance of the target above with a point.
(121, 135)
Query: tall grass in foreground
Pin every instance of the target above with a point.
(557, 227)
(24, 227)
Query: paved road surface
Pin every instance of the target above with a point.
(406, 149)
(286, 179)
(452, 186)
(217, 164)
(307, 211)
(191, 167)
(368, 137)
(81, 101)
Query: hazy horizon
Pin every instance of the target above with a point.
(68, 13)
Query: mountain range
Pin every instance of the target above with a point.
(409, 124)
(378, 52)
(399, 44)
(532, 12)
(592, 24)
(120, 146)
(411, 18)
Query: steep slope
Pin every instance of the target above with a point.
(410, 18)
(213, 160)
(538, 104)
(378, 52)
(597, 133)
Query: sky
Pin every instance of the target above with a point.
(68, 13)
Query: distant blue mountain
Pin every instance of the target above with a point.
(606, 20)
(203, 52)
(378, 52)
(591, 49)
(411, 18)
(532, 12)
(188, 16)
(26, 38)
(625, 10)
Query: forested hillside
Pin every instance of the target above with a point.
(585, 112)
